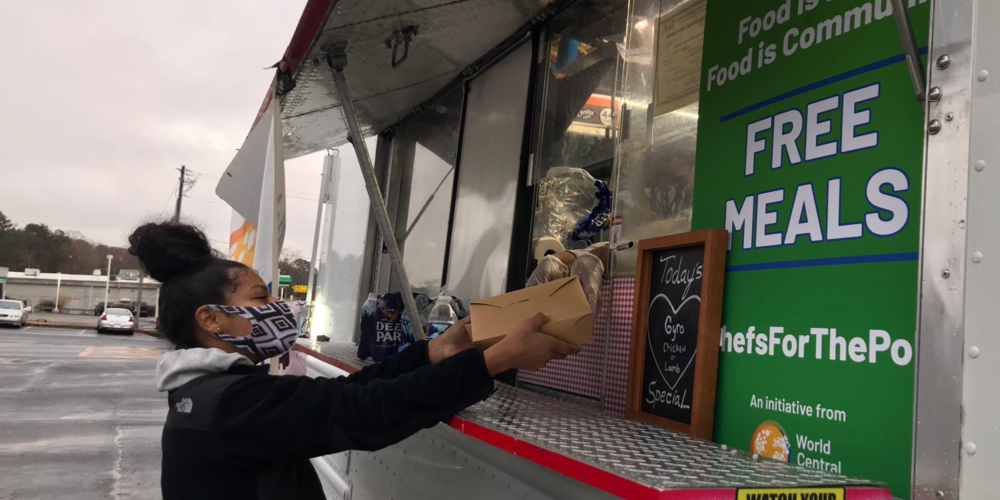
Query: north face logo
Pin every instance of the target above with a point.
(184, 405)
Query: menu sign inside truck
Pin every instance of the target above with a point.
(810, 154)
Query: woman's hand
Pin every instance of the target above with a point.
(453, 341)
(526, 348)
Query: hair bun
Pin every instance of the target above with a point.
(170, 249)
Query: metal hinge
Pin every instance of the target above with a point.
(401, 37)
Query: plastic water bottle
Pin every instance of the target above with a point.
(442, 316)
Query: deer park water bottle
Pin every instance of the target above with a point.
(368, 309)
(441, 317)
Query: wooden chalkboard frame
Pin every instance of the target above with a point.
(709, 324)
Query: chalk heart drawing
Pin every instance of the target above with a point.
(656, 318)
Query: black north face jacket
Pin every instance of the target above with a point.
(233, 431)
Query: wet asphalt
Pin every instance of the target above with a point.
(80, 417)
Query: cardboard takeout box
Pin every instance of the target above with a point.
(563, 301)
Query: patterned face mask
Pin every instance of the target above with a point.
(275, 328)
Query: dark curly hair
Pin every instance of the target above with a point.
(192, 275)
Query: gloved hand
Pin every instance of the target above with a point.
(590, 269)
(588, 265)
(550, 268)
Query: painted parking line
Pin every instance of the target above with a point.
(119, 352)
(70, 335)
(53, 332)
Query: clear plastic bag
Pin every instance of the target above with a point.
(565, 196)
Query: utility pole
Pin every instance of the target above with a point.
(180, 195)
(107, 287)
(138, 301)
(58, 285)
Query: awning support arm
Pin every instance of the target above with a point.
(910, 48)
(332, 157)
(336, 57)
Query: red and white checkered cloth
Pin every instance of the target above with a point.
(579, 374)
(620, 343)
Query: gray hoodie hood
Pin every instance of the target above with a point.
(181, 366)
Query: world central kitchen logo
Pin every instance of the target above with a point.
(770, 440)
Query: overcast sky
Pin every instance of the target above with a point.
(103, 101)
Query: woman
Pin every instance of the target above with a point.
(233, 431)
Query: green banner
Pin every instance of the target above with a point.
(810, 145)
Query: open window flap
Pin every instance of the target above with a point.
(437, 57)
(243, 182)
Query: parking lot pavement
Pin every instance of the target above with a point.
(80, 416)
(81, 320)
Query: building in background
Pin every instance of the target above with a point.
(77, 292)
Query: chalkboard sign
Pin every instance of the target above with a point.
(675, 331)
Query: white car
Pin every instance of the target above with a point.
(13, 313)
(116, 320)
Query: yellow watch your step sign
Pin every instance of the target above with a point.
(791, 494)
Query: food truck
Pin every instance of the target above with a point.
(821, 173)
